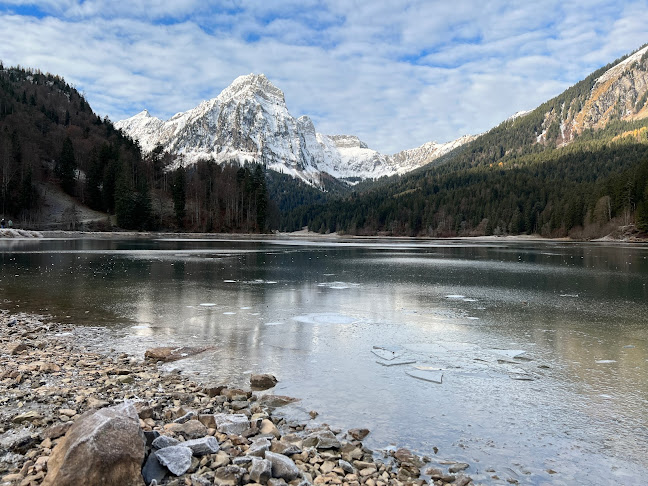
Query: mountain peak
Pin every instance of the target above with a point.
(250, 85)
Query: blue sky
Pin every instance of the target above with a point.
(395, 73)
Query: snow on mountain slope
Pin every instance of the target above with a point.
(249, 121)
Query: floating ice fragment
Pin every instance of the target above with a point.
(62, 334)
(569, 295)
(455, 296)
(229, 281)
(273, 323)
(208, 304)
(384, 353)
(470, 300)
(473, 318)
(606, 361)
(629, 346)
(245, 308)
(509, 353)
(229, 313)
(431, 376)
(603, 395)
(395, 362)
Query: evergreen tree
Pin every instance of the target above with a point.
(179, 196)
(66, 166)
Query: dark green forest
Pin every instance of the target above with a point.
(49, 136)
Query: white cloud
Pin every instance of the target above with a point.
(397, 73)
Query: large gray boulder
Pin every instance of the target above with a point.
(103, 448)
(282, 467)
(231, 424)
(177, 459)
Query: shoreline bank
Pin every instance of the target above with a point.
(49, 379)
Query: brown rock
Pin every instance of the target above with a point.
(172, 354)
(263, 381)
(102, 448)
(358, 434)
(191, 429)
(56, 431)
(16, 348)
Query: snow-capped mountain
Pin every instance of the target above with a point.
(249, 121)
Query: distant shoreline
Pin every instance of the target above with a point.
(302, 235)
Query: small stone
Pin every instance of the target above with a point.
(16, 348)
(26, 417)
(56, 431)
(96, 403)
(67, 412)
(202, 446)
(261, 470)
(231, 424)
(358, 434)
(269, 428)
(229, 476)
(460, 466)
(193, 429)
(164, 441)
(282, 466)
(462, 481)
(177, 459)
(346, 467)
(259, 447)
(153, 470)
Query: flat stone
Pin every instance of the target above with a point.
(276, 401)
(261, 470)
(173, 353)
(26, 417)
(192, 429)
(323, 439)
(176, 459)
(57, 430)
(282, 467)
(460, 466)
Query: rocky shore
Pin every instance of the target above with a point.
(70, 416)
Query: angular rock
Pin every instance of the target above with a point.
(229, 476)
(261, 470)
(192, 429)
(176, 459)
(263, 381)
(269, 428)
(58, 430)
(26, 417)
(358, 434)
(282, 466)
(164, 441)
(276, 401)
(150, 436)
(102, 448)
(323, 439)
(285, 448)
(202, 446)
(258, 448)
(231, 424)
(153, 470)
(346, 466)
(404, 455)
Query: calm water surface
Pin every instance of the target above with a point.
(543, 347)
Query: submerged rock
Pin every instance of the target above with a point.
(102, 448)
(173, 354)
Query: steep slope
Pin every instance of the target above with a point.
(577, 164)
(249, 121)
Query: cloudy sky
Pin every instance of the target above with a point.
(396, 73)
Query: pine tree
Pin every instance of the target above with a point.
(66, 166)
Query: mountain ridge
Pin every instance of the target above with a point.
(249, 121)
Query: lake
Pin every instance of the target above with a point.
(528, 360)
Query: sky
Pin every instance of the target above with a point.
(395, 73)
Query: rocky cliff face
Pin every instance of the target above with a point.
(620, 93)
(249, 121)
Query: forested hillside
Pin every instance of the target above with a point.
(577, 165)
(50, 139)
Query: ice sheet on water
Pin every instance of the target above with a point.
(326, 318)
(385, 354)
(337, 285)
(433, 376)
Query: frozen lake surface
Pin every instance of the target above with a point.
(527, 360)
